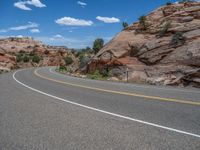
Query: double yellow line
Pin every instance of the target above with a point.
(121, 93)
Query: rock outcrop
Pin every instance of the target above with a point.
(166, 52)
(11, 47)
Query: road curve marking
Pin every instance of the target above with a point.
(121, 93)
(103, 111)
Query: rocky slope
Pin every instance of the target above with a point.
(163, 48)
(12, 48)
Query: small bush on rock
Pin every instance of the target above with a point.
(168, 3)
(26, 59)
(36, 59)
(164, 29)
(19, 57)
(106, 72)
(98, 44)
(68, 60)
(143, 23)
(62, 68)
(125, 25)
(178, 39)
(95, 75)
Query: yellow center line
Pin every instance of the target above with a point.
(121, 93)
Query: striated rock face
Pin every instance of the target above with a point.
(7, 62)
(165, 53)
(11, 47)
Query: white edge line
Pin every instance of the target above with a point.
(141, 86)
(105, 112)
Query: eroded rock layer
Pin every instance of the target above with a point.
(167, 51)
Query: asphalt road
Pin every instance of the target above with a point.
(41, 109)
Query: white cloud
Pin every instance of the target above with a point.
(23, 4)
(36, 3)
(30, 25)
(82, 4)
(69, 42)
(68, 21)
(35, 31)
(108, 20)
(58, 36)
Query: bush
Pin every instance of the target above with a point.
(62, 68)
(68, 61)
(164, 29)
(25, 59)
(98, 44)
(106, 72)
(134, 51)
(168, 3)
(83, 61)
(125, 25)
(95, 75)
(36, 59)
(19, 57)
(143, 23)
(178, 39)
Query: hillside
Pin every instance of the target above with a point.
(26, 52)
(162, 48)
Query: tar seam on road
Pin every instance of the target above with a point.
(147, 97)
(105, 112)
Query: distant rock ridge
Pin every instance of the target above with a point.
(166, 52)
(11, 47)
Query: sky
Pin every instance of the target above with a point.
(71, 23)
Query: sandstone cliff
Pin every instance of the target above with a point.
(11, 48)
(166, 51)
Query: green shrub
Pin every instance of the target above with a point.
(36, 59)
(95, 75)
(168, 3)
(143, 23)
(65, 69)
(125, 25)
(101, 75)
(178, 39)
(62, 68)
(68, 60)
(83, 61)
(19, 57)
(134, 51)
(98, 44)
(164, 29)
(106, 72)
(26, 59)
(69, 70)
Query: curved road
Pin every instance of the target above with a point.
(42, 109)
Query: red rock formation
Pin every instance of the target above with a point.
(11, 47)
(169, 48)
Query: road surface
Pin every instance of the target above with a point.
(42, 109)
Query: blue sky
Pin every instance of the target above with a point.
(70, 23)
